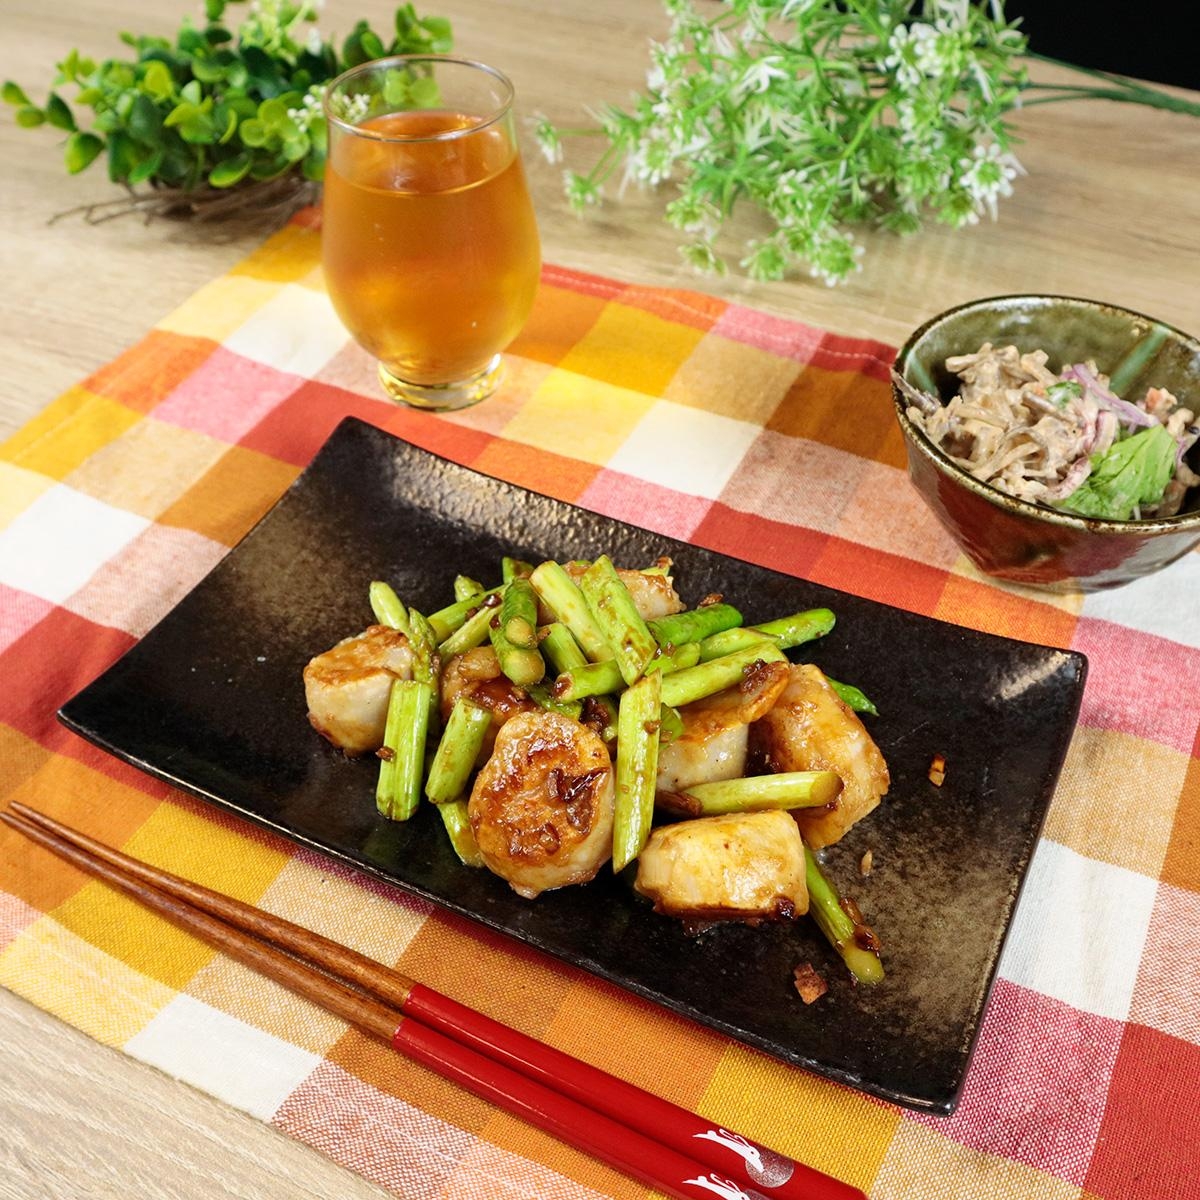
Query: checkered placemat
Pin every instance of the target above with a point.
(696, 418)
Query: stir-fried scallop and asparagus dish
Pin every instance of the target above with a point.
(578, 717)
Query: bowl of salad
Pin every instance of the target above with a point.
(1057, 439)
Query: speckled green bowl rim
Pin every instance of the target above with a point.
(917, 438)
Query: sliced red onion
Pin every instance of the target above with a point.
(1106, 431)
(1079, 470)
(1187, 440)
(1128, 413)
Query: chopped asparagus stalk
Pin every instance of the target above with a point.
(542, 694)
(514, 634)
(427, 663)
(854, 941)
(755, 793)
(852, 697)
(399, 788)
(561, 649)
(465, 588)
(604, 678)
(694, 683)
(613, 609)
(514, 568)
(473, 632)
(461, 742)
(670, 724)
(729, 640)
(694, 625)
(800, 627)
(451, 618)
(386, 606)
(637, 767)
(560, 594)
(462, 837)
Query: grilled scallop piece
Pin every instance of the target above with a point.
(347, 687)
(654, 594)
(716, 731)
(542, 806)
(744, 867)
(811, 729)
(477, 675)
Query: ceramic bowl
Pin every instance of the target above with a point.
(1015, 539)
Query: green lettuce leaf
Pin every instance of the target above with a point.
(1129, 473)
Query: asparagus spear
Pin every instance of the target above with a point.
(560, 594)
(471, 633)
(613, 609)
(561, 649)
(694, 625)
(852, 697)
(694, 683)
(465, 587)
(854, 941)
(427, 664)
(462, 837)
(399, 788)
(513, 568)
(514, 634)
(637, 767)
(604, 678)
(799, 627)
(717, 645)
(461, 742)
(787, 790)
(386, 606)
(451, 618)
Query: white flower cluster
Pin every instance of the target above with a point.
(309, 109)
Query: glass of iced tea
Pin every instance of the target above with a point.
(429, 242)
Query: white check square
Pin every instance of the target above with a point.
(685, 449)
(218, 1054)
(61, 540)
(1079, 931)
(297, 330)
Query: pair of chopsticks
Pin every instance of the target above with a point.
(665, 1146)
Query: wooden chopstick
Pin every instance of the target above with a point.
(472, 1048)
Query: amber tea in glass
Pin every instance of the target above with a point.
(429, 243)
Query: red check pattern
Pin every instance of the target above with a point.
(782, 450)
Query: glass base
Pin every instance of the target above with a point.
(444, 397)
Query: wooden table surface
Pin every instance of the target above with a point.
(1110, 209)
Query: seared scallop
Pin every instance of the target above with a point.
(347, 687)
(477, 675)
(811, 729)
(744, 867)
(653, 591)
(716, 731)
(542, 806)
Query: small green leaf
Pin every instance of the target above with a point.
(124, 154)
(441, 38)
(58, 113)
(372, 45)
(425, 93)
(191, 91)
(395, 87)
(29, 116)
(214, 10)
(81, 151)
(231, 171)
(145, 122)
(12, 94)
(253, 133)
(225, 118)
(146, 169)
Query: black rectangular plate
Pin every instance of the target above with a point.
(211, 701)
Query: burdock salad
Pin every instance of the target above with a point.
(1063, 440)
